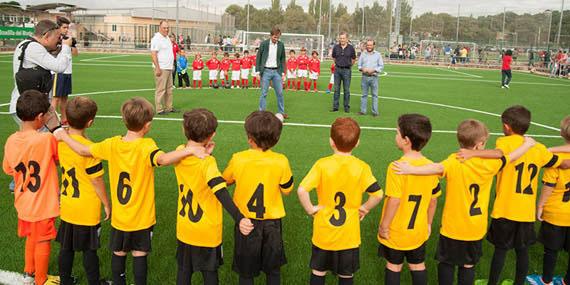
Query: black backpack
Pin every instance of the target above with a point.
(35, 78)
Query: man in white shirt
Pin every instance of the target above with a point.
(270, 63)
(163, 64)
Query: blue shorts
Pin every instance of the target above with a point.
(61, 85)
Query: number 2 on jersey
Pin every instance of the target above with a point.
(474, 190)
(566, 196)
(533, 172)
(256, 204)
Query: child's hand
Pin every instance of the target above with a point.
(362, 212)
(539, 213)
(315, 210)
(245, 226)
(59, 134)
(107, 213)
(210, 147)
(464, 154)
(384, 233)
(198, 151)
(529, 141)
(402, 167)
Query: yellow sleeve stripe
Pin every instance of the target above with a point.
(552, 161)
(215, 182)
(94, 169)
(152, 155)
(288, 184)
(436, 190)
(374, 187)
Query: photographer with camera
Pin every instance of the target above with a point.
(62, 86)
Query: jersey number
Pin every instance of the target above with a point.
(124, 189)
(566, 196)
(192, 216)
(256, 203)
(474, 190)
(35, 174)
(340, 199)
(74, 182)
(533, 172)
(416, 199)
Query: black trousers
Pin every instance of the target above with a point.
(183, 77)
(506, 77)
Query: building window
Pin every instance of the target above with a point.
(114, 28)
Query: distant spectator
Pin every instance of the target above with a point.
(506, 69)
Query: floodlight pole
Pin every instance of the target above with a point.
(177, 8)
(320, 9)
(504, 19)
(549, 29)
(411, 19)
(560, 24)
(247, 27)
(457, 28)
(362, 30)
(330, 16)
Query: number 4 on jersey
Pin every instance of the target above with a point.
(256, 203)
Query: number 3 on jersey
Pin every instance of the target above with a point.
(256, 204)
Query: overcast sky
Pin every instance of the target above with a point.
(475, 7)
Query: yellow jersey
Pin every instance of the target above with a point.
(517, 182)
(131, 178)
(466, 209)
(557, 207)
(260, 177)
(340, 181)
(199, 213)
(77, 191)
(409, 228)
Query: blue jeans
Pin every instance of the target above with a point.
(274, 76)
(369, 83)
(343, 74)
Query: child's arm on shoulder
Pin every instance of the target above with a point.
(81, 149)
(465, 154)
(305, 200)
(99, 185)
(404, 168)
(544, 194)
(561, 148)
(521, 150)
(177, 155)
(392, 205)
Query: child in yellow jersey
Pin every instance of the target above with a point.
(465, 214)
(409, 206)
(201, 194)
(340, 180)
(82, 191)
(260, 175)
(554, 211)
(132, 159)
(513, 216)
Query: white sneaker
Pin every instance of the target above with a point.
(28, 279)
(503, 86)
(507, 86)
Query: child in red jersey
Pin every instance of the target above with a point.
(291, 70)
(303, 69)
(506, 69)
(331, 82)
(236, 68)
(225, 68)
(245, 66)
(213, 65)
(314, 70)
(254, 73)
(197, 67)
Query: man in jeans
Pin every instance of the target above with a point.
(344, 56)
(370, 64)
(270, 64)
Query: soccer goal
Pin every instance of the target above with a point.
(251, 40)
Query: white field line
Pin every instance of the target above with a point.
(10, 278)
(105, 57)
(352, 94)
(459, 72)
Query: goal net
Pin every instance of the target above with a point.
(250, 40)
(446, 48)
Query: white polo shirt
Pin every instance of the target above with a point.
(163, 46)
(272, 56)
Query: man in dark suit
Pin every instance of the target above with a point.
(270, 64)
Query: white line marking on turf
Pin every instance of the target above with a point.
(352, 94)
(105, 57)
(10, 278)
(459, 72)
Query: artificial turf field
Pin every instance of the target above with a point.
(445, 96)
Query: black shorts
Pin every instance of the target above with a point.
(128, 241)
(394, 256)
(197, 258)
(458, 252)
(341, 262)
(507, 234)
(61, 85)
(77, 237)
(261, 250)
(554, 237)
